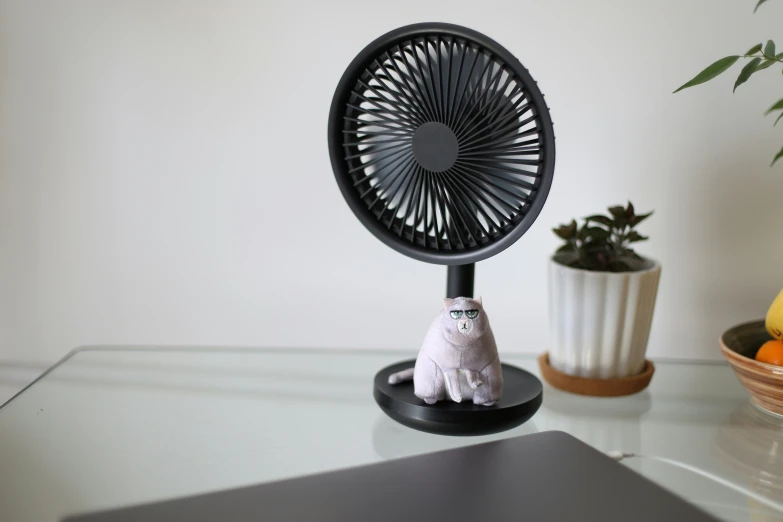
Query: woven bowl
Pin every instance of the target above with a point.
(763, 381)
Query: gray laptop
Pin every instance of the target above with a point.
(544, 477)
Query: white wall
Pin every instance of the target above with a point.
(164, 175)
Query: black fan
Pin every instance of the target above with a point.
(443, 147)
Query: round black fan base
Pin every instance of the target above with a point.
(522, 396)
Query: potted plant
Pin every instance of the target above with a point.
(602, 297)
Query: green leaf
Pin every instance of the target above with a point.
(629, 210)
(759, 4)
(568, 247)
(619, 266)
(598, 233)
(753, 50)
(566, 232)
(601, 220)
(711, 72)
(639, 218)
(766, 64)
(596, 242)
(776, 121)
(779, 56)
(631, 260)
(778, 106)
(617, 211)
(634, 237)
(582, 233)
(777, 157)
(620, 221)
(746, 72)
(769, 49)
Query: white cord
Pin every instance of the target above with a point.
(619, 455)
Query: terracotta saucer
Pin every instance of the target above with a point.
(596, 387)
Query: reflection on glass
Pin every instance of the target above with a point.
(606, 423)
(750, 442)
(391, 439)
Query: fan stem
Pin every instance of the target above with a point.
(459, 280)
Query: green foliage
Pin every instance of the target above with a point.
(778, 155)
(711, 72)
(761, 57)
(747, 71)
(778, 106)
(765, 64)
(758, 5)
(602, 243)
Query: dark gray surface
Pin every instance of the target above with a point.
(548, 476)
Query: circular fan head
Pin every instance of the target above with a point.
(441, 143)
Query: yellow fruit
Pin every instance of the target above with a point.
(771, 352)
(774, 321)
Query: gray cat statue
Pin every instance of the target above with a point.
(458, 358)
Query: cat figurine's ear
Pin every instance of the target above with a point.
(447, 302)
(479, 301)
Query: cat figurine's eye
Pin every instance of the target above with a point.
(456, 314)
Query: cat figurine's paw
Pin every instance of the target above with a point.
(473, 379)
(452, 385)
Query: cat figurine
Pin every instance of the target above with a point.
(458, 358)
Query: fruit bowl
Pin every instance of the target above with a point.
(764, 381)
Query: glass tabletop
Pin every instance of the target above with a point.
(111, 427)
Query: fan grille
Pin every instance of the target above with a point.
(442, 145)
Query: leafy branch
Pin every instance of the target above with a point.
(760, 57)
(602, 243)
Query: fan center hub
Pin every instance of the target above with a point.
(435, 146)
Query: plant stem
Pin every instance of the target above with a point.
(772, 58)
(619, 235)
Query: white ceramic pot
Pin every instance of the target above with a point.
(600, 321)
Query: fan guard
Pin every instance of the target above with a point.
(441, 143)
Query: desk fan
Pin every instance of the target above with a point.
(443, 147)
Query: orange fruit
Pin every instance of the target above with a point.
(771, 352)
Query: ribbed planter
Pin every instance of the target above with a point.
(600, 321)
